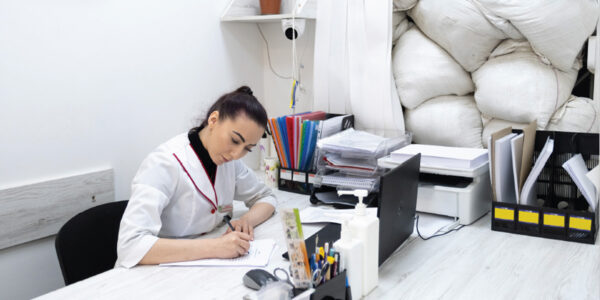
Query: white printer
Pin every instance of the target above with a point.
(465, 194)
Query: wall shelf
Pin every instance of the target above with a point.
(249, 11)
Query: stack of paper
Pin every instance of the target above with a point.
(336, 161)
(578, 171)
(444, 157)
(353, 143)
(351, 182)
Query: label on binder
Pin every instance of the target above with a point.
(299, 177)
(311, 178)
(554, 220)
(504, 213)
(285, 174)
(529, 216)
(580, 223)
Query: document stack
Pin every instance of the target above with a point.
(541, 183)
(453, 181)
(348, 160)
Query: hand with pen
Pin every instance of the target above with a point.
(233, 243)
(241, 225)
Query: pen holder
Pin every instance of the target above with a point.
(335, 288)
(564, 214)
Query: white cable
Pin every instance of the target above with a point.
(269, 55)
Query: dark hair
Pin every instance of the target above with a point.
(236, 102)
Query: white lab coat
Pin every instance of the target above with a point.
(170, 198)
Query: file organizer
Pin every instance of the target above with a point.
(296, 181)
(335, 288)
(573, 223)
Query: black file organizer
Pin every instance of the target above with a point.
(574, 223)
(334, 289)
(301, 182)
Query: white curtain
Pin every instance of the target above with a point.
(353, 71)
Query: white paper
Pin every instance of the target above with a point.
(576, 168)
(594, 176)
(516, 147)
(322, 215)
(505, 181)
(528, 194)
(258, 255)
(444, 157)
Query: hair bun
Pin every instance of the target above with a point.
(244, 89)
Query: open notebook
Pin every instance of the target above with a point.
(258, 256)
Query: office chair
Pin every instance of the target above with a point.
(87, 244)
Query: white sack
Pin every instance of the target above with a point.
(556, 29)
(460, 28)
(404, 4)
(494, 125)
(423, 70)
(503, 24)
(577, 115)
(400, 25)
(518, 87)
(446, 121)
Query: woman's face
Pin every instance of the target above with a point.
(231, 138)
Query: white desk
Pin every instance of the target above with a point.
(473, 263)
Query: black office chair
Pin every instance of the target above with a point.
(87, 244)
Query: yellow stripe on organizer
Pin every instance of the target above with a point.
(554, 220)
(528, 216)
(504, 213)
(580, 223)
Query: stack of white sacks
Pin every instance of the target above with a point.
(467, 68)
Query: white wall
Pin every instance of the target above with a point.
(88, 84)
(277, 90)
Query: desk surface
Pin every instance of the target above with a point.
(472, 263)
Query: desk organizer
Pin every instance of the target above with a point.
(297, 181)
(333, 289)
(573, 223)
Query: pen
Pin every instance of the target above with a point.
(228, 219)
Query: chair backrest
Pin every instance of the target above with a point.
(87, 244)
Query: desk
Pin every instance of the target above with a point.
(473, 263)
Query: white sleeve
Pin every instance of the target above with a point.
(151, 191)
(249, 189)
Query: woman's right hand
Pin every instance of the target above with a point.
(233, 244)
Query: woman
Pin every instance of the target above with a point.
(186, 186)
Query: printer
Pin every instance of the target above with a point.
(465, 194)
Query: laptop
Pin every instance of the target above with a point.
(396, 210)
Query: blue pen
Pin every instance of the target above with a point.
(311, 262)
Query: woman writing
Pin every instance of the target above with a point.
(186, 186)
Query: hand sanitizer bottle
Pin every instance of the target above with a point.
(351, 255)
(366, 229)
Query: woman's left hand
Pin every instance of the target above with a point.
(243, 226)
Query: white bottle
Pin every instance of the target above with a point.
(366, 229)
(351, 256)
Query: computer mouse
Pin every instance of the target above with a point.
(256, 278)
